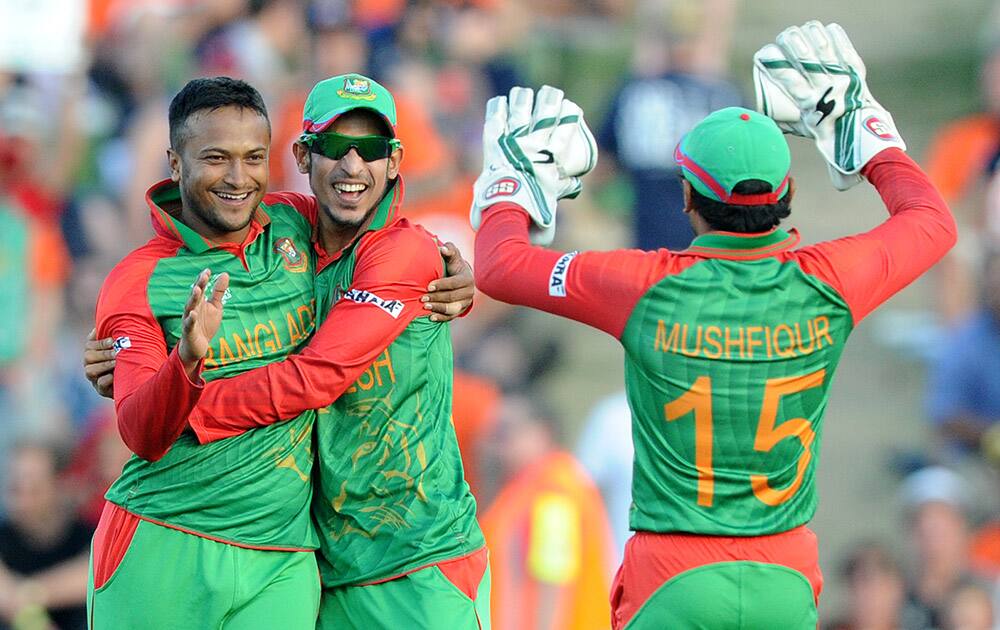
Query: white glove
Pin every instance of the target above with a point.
(811, 82)
(535, 149)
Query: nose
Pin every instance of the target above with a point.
(352, 163)
(236, 174)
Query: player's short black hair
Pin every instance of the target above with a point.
(743, 219)
(211, 94)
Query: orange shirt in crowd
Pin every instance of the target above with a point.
(547, 530)
(960, 153)
(473, 412)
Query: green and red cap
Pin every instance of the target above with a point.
(338, 95)
(732, 145)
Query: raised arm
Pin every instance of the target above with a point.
(154, 391)
(596, 288)
(393, 270)
(867, 269)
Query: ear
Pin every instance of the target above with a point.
(791, 189)
(174, 160)
(687, 196)
(395, 159)
(303, 158)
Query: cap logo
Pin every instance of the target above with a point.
(504, 187)
(879, 128)
(356, 88)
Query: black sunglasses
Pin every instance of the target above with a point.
(335, 145)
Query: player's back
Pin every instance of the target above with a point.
(728, 365)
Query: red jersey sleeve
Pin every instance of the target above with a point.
(153, 393)
(867, 269)
(393, 269)
(599, 289)
(305, 204)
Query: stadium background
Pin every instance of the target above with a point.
(80, 140)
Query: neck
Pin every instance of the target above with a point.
(698, 223)
(335, 236)
(204, 230)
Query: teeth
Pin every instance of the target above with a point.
(233, 197)
(349, 187)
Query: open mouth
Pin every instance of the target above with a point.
(350, 192)
(232, 198)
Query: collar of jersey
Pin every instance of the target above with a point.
(385, 214)
(168, 226)
(743, 246)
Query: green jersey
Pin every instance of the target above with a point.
(730, 346)
(254, 489)
(390, 493)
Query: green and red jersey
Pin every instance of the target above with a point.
(730, 345)
(391, 496)
(255, 489)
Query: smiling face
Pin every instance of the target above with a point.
(221, 167)
(349, 189)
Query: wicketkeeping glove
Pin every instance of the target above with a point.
(535, 149)
(811, 82)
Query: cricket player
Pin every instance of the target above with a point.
(731, 344)
(217, 535)
(398, 536)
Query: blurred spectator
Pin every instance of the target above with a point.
(680, 47)
(937, 503)
(549, 540)
(43, 546)
(969, 608)
(605, 450)
(961, 161)
(97, 461)
(475, 402)
(266, 48)
(875, 590)
(34, 263)
(964, 384)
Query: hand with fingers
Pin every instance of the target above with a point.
(535, 149)
(451, 296)
(202, 318)
(99, 363)
(811, 82)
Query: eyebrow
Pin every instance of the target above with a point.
(207, 150)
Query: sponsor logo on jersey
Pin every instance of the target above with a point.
(503, 187)
(392, 307)
(121, 343)
(557, 279)
(294, 260)
(357, 89)
(879, 128)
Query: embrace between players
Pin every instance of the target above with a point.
(228, 405)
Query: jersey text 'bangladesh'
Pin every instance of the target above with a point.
(255, 488)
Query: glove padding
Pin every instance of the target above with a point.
(535, 149)
(811, 82)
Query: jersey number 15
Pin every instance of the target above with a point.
(698, 399)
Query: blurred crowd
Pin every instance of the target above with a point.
(83, 135)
